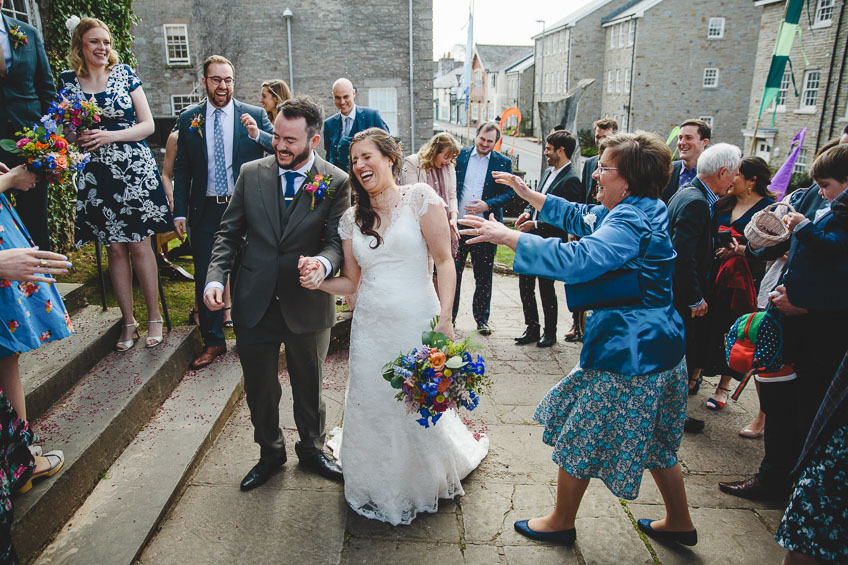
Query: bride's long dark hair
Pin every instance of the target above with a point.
(366, 218)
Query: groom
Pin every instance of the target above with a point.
(282, 225)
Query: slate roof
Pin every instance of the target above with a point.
(496, 58)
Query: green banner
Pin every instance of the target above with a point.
(785, 37)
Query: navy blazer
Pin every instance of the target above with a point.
(671, 188)
(336, 146)
(190, 167)
(494, 195)
(27, 89)
(817, 267)
(690, 228)
(588, 182)
(566, 185)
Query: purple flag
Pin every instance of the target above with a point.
(780, 180)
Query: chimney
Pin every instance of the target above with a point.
(445, 64)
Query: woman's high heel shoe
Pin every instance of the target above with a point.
(152, 341)
(127, 345)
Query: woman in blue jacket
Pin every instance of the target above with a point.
(622, 409)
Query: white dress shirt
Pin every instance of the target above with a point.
(227, 125)
(548, 182)
(7, 45)
(475, 178)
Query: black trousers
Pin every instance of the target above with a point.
(527, 292)
(483, 262)
(259, 352)
(202, 240)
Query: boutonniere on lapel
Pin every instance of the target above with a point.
(196, 125)
(18, 36)
(319, 187)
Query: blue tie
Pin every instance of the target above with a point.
(221, 185)
(288, 195)
(348, 125)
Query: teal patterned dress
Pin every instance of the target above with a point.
(16, 466)
(31, 313)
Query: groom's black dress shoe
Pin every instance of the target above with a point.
(320, 464)
(548, 339)
(529, 336)
(260, 474)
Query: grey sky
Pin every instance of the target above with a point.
(504, 22)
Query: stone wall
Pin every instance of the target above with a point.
(372, 51)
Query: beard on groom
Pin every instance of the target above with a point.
(280, 222)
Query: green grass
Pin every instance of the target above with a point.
(504, 256)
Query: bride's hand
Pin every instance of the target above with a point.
(311, 272)
(514, 182)
(445, 326)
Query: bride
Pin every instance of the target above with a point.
(394, 468)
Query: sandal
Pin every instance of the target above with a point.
(693, 390)
(714, 402)
(127, 345)
(228, 323)
(152, 341)
(56, 459)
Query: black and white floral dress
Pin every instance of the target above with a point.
(120, 197)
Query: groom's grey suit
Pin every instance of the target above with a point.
(269, 305)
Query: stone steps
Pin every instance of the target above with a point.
(73, 295)
(138, 489)
(93, 423)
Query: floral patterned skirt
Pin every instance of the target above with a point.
(16, 465)
(612, 427)
(816, 520)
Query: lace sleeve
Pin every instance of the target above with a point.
(347, 224)
(422, 196)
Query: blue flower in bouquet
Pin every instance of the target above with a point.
(36, 164)
(76, 105)
(424, 420)
(51, 162)
(49, 124)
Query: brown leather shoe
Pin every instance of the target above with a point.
(751, 488)
(207, 356)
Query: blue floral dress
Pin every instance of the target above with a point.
(613, 426)
(30, 313)
(120, 197)
(16, 466)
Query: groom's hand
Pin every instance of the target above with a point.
(312, 272)
(214, 298)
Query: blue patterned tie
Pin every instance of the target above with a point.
(221, 185)
(288, 195)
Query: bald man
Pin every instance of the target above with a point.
(350, 120)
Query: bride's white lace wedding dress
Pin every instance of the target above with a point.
(393, 467)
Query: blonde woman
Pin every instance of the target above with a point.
(120, 198)
(435, 164)
(274, 92)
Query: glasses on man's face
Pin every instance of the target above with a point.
(216, 81)
(602, 169)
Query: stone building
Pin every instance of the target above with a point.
(668, 60)
(820, 78)
(520, 78)
(24, 10)
(487, 73)
(570, 50)
(174, 36)
(446, 89)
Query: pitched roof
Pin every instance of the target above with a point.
(521, 65)
(575, 16)
(634, 8)
(495, 58)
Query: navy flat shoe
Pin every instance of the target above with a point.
(564, 537)
(685, 538)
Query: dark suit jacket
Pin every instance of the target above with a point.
(566, 185)
(689, 226)
(190, 167)
(337, 146)
(273, 244)
(588, 182)
(27, 89)
(671, 188)
(494, 194)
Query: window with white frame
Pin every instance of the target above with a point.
(626, 80)
(631, 37)
(609, 81)
(384, 99)
(621, 33)
(475, 113)
(478, 79)
(618, 80)
(624, 122)
(562, 40)
(715, 30)
(612, 36)
(492, 112)
(810, 94)
(493, 80)
(176, 44)
(780, 99)
(707, 119)
(18, 9)
(180, 102)
(824, 13)
(710, 77)
(800, 167)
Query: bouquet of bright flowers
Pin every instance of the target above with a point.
(437, 376)
(73, 111)
(47, 152)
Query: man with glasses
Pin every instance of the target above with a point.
(216, 138)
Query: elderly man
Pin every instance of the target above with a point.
(693, 138)
(351, 119)
(690, 214)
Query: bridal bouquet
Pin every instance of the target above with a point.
(437, 376)
(47, 152)
(73, 111)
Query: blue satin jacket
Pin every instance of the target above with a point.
(630, 340)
